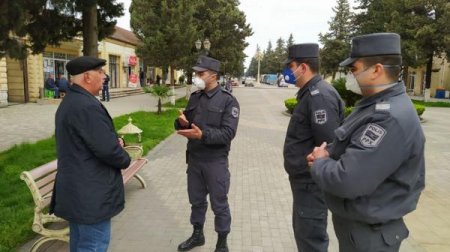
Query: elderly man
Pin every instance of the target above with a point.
(88, 190)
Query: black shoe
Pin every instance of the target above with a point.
(197, 239)
(221, 245)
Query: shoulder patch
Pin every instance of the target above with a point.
(235, 112)
(315, 92)
(382, 106)
(320, 116)
(372, 135)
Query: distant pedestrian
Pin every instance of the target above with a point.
(142, 77)
(105, 89)
(158, 79)
(51, 85)
(209, 122)
(62, 83)
(88, 189)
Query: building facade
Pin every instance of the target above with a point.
(440, 79)
(23, 80)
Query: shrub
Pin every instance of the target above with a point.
(349, 97)
(419, 109)
(290, 104)
(348, 111)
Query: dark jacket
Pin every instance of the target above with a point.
(376, 169)
(319, 111)
(216, 113)
(62, 84)
(50, 84)
(89, 186)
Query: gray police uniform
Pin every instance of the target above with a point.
(318, 113)
(376, 169)
(216, 113)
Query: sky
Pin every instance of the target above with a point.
(272, 19)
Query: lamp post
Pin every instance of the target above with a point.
(206, 46)
(258, 57)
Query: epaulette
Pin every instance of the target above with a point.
(226, 91)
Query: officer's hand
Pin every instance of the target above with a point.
(193, 133)
(319, 152)
(310, 159)
(182, 119)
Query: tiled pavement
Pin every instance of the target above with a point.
(157, 218)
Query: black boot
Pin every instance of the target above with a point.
(221, 245)
(197, 239)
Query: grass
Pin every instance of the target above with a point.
(432, 104)
(179, 103)
(16, 203)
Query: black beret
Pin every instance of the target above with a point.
(302, 51)
(207, 63)
(83, 64)
(375, 44)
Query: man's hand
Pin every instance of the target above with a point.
(318, 152)
(194, 133)
(121, 142)
(182, 119)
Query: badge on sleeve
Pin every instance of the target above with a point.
(372, 135)
(235, 112)
(320, 116)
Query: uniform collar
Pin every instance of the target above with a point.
(309, 85)
(212, 92)
(383, 95)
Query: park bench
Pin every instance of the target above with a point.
(40, 181)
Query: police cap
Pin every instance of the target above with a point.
(83, 64)
(302, 51)
(205, 63)
(375, 44)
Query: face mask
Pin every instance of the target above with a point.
(289, 76)
(351, 84)
(199, 83)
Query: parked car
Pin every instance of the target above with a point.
(270, 79)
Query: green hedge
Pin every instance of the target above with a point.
(291, 102)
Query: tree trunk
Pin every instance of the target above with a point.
(429, 71)
(333, 76)
(172, 76)
(189, 78)
(159, 105)
(90, 31)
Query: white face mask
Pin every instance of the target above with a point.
(199, 83)
(351, 84)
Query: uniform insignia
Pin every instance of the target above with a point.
(382, 106)
(320, 116)
(372, 135)
(315, 92)
(235, 112)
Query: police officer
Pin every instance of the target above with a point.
(373, 173)
(209, 122)
(318, 113)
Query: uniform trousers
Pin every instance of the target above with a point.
(356, 236)
(309, 217)
(209, 177)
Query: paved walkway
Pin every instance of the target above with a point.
(157, 218)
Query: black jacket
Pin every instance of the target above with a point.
(89, 186)
(319, 111)
(216, 113)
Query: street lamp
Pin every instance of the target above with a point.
(206, 46)
(258, 57)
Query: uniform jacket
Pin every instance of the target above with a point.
(89, 186)
(216, 113)
(319, 111)
(376, 169)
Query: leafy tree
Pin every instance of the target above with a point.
(159, 91)
(289, 42)
(32, 25)
(167, 30)
(336, 41)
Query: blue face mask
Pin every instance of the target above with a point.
(289, 76)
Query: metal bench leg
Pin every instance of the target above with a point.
(141, 180)
(43, 240)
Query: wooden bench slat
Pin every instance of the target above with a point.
(45, 180)
(46, 189)
(136, 165)
(44, 169)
